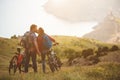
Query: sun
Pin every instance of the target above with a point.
(58, 2)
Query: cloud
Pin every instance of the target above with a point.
(81, 10)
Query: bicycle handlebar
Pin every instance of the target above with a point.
(55, 44)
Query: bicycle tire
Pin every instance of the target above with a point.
(13, 65)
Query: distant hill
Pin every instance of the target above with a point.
(8, 46)
(106, 30)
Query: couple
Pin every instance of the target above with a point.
(35, 45)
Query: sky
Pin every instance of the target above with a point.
(16, 16)
(82, 10)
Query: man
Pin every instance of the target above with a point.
(44, 50)
(31, 47)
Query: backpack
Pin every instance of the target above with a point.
(47, 43)
(27, 40)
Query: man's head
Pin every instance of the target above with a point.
(33, 28)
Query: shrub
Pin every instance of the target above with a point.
(114, 48)
(14, 37)
(93, 58)
(99, 50)
(87, 52)
(105, 49)
(102, 51)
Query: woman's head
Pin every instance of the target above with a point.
(40, 31)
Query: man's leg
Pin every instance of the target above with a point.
(27, 61)
(33, 55)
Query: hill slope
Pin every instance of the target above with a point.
(8, 46)
(7, 50)
(70, 44)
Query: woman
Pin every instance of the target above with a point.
(43, 40)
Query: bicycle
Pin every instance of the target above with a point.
(14, 64)
(54, 61)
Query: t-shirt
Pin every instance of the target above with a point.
(40, 42)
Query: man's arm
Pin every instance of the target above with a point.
(36, 46)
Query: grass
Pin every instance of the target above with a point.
(68, 46)
(102, 71)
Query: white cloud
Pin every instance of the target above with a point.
(17, 16)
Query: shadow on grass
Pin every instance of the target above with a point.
(5, 77)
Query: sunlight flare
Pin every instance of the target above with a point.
(58, 2)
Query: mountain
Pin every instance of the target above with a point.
(107, 30)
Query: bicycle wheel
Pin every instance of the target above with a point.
(13, 65)
(51, 65)
(59, 63)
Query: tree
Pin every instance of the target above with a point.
(14, 37)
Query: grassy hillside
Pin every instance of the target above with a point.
(69, 46)
(7, 50)
(107, 71)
